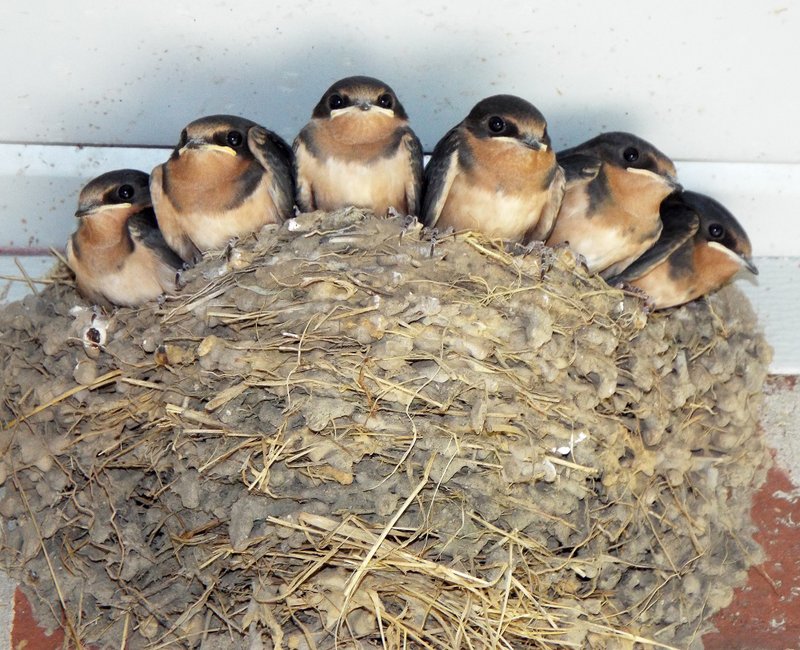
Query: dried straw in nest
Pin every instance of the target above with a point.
(346, 434)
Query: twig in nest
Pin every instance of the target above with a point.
(358, 575)
(27, 277)
(97, 383)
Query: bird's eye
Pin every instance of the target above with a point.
(715, 231)
(497, 124)
(184, 137)
(125, 192)
(385, 101)
(631, 154)
(234, 138)
(335, 101)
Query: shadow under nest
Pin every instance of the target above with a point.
(341, 433)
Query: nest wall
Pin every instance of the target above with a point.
(347, 432)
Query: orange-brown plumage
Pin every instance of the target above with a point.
(610, 211)
(495, 173)
(227, 177)
(702, 246)
(117, 253)
(358, 150)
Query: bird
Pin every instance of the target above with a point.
(701, 247)
(358, 150)
(226, 178)
(610, 213)
(118, 253)
(495, 173)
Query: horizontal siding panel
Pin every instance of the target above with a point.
(39, 186)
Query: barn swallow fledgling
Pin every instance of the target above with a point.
(117, 253)
(227, 177)
(610, 212)
(358, 150)
(495, 173)
(701, 247)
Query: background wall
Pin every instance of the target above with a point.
(705, 80)
(713, 84)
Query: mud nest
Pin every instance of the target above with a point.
(344, 432)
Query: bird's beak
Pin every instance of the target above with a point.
(207, 146)
(667, 180)
(674, 184)
(86, 210)
(362, 106)
(743, 260)
(534, 143)
(748, 264)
